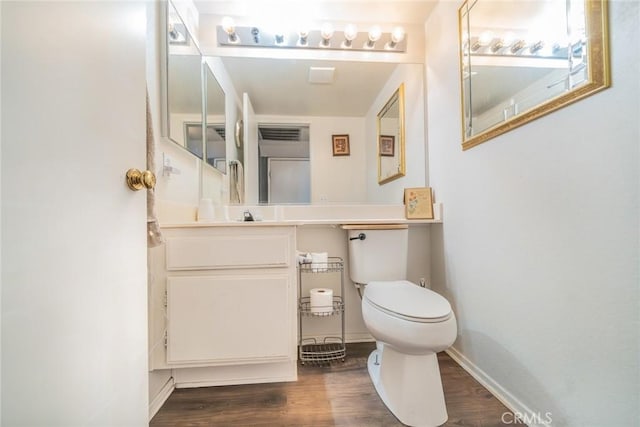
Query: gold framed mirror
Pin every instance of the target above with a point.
(390, 138)
(522, 60)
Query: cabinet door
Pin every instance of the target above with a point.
(230, 319)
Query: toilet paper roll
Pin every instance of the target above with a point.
(321, 300)
(319, 261)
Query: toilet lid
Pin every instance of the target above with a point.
(408, 300)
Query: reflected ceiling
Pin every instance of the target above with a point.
(281, 86)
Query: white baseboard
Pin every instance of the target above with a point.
(511, 402)
(161, 397)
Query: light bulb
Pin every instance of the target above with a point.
(279, 36)
(485, 38)
(375, 33)
(173, 33)
(350, 33)
(518, 45)
(536, 47)
(303, 35)
(397, 35)
(326, 32)
(228, 25)
(497, 45)
(508, 38)
(255, 33)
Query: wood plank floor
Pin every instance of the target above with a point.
(339, 394)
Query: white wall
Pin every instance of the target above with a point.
(334, 179)
(538, 251)
(412, 76)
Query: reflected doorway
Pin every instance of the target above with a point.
(284, 168)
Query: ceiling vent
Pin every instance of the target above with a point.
(280, 133)
(220, 130)
(321, 75)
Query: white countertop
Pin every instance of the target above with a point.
(301, 215)
(273, 223)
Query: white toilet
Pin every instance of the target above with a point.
(410, 324)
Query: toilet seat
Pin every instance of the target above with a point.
(407, 301)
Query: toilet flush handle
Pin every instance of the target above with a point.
(360, 236)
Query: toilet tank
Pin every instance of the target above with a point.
(381, 255)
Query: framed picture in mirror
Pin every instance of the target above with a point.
(341, 145)
(387, 145)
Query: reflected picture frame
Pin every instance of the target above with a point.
(387, 145)
(340, 144)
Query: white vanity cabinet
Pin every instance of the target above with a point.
(230, 303)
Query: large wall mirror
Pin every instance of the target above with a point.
(184, 86)
(390, 125)
(195, 102)
(522, 60)
(332, 91)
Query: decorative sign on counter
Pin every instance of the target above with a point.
(418, 203)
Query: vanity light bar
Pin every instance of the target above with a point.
(326, 38)
(519, 47)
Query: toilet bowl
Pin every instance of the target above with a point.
(410, 324)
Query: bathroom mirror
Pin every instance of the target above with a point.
(215, 141)
(522, 60)
(184, 86)
(328, 109)
(390, 141)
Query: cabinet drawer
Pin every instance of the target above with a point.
(221, 252)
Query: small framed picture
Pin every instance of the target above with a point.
(418, 203)
(387, 145)
(341, 145)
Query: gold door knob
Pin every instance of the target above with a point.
(137, 180)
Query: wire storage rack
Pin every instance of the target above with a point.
(328, 348)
